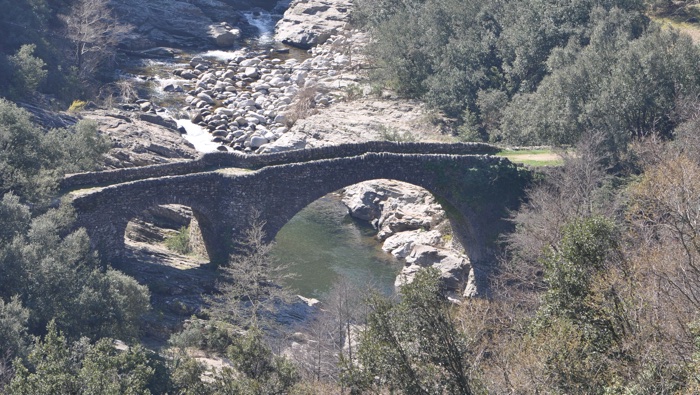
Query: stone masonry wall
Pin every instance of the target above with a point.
(215, 160)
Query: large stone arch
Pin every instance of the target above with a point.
(283, 191)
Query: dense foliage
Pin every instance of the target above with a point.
(58, 47)
(32, 160)
(536, 72)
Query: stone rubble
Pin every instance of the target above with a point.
(252, 100)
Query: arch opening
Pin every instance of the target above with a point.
(379, 231)
(169, 235)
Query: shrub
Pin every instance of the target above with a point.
(180, 242)
(29, 72)
(77, 106)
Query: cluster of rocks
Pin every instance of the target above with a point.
(251, 100)
(413, 227)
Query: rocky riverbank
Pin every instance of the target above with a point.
(187, 23)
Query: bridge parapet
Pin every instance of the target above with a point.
(212, 161)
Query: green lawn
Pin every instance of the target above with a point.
(533, 157)
(684, 19)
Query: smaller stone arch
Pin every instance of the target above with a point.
(105, 213)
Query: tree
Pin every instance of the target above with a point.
(666, 206)
(257, 370)
(33, 160)
(22, 22)
(29, 72)
(413, 346)
(626, 89)
(55, 275)
(14, 339)
(333, 332)
(251, 289)
(57, 366)
(94, 32)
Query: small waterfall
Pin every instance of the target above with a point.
(200, 138)
(265, 23)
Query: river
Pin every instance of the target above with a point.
(323, 244)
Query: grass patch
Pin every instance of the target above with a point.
(685, 19)
(180, 241)
(692, 29)
(233, 170)
(533, 157)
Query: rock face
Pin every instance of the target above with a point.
(308, 23)
(183, 23)
(412, 226)
(140, 139)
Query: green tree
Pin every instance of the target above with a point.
(53, 370)
(77, 148)
(582, 322)
(32, 160)
(14, 338)
(56, 366)
(55, 275)
(29, 71)
(624, 89)
(186, 375)
(22, 22)
(257, 371)
(413, 346)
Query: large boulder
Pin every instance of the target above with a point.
(308, 23)
(224, 35)
(139, 140)
(181, 23)
(453, 267)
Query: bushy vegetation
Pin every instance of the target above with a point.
(180, 241)
(62, 48)
(32, 160)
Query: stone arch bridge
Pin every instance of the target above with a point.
(475, 188)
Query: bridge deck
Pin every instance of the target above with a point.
(220, 160)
